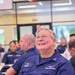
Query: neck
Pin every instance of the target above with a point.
(63, 44)
(29, 48)
(47, 54)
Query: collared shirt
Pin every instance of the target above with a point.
(2, 50)
(55, 65)
(61, 48)
(72, 60)
(10, 57)
(0, 73)
(17, 65)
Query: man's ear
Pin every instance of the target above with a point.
(73, 49)
(28, 43)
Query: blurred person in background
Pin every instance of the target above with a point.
(66, 54)
(12, 55)
(63, 45)
(1, 48)
(18, 48)
(38, 26)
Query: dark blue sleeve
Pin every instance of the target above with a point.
(4, 60)
(0, 73)
(72, 60)
(66, 69)
(17, 65)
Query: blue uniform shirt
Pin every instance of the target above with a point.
(72, 60)
(0, 73)
(61, 48)
(19, 51)
(55, 65)
(2, 50)
(10, 57)
(17, 65)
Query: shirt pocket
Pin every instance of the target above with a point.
(26, 69)
(48, 72)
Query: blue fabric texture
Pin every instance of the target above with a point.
(55, 65)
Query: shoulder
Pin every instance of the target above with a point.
(32, 58)
(72, 60)
(63, 61)
(6, 53)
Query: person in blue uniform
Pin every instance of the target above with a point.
(49, 61)
(66, 54)
(11, 56)
(62, 47)
(18, 48)
(1, 48)
(27, 45)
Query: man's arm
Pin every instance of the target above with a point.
(10, 71)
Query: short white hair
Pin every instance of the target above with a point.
(53, 36)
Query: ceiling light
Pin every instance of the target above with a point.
(1, 1)
(40, 3)
(61, 4)
(31, 6)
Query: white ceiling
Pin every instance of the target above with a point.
(40, 8)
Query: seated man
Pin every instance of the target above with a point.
(63, 45)
(27, 44)
(49, 61)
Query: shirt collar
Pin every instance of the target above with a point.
(53, 58)
(31, 49)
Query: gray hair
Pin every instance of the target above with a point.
(53, 36)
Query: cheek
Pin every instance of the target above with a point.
(36, 43)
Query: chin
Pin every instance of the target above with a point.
(40, 48)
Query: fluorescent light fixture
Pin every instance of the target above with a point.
(31, 6)
(1, 1)
(40, 3)
(61, 4)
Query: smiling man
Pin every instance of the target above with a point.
(49, 61)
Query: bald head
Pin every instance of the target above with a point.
(27, 41)
(30, 37)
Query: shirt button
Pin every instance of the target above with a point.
(54, 59)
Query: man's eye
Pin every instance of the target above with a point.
(37, 37)
(44, 36)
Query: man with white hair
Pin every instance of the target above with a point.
(49, 61)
